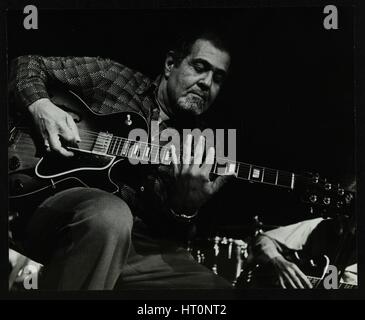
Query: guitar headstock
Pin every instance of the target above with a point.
(325, 198)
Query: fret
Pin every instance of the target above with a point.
(119, 144)
(244, 171)
(221, 169)
(292, 181)
(215, 167)
(165, 156)
(142, 149)
(269, 176)
(125, 148)
(146, 153)
(115, 144)
(155, 151)
(256, 174)
(135, 150)
(277, 176)
(231, 168)
(285, 179)
(102, 143)
(249, 172)
(228, 168)
(111, 146)
(238, 168)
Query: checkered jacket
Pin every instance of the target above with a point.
(105, 85)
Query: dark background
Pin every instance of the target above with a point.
(289, 94)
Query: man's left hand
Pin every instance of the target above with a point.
(191, 186)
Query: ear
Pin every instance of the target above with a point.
(169, 63)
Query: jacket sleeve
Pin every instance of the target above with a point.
(31, 75)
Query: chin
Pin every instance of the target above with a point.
(195, 108)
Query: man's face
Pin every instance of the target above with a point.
(193, 85)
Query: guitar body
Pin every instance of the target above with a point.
(33, 174)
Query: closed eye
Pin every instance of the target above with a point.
(199, 67)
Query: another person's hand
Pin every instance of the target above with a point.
(289, 275)
(191, 186)
(53, 123)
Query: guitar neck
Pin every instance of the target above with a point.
(342, 285)
(103, 143)
(152, 153)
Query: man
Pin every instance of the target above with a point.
(90, 239)
(315, 237)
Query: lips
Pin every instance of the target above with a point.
(200, 95)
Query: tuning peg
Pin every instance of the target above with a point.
(340, 191)
(348, 198)
(315, 177)
(327, 186)
(313, 198)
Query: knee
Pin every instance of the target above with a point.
(107, 215)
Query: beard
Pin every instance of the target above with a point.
(191, 104)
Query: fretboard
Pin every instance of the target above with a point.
(105, 143)
(342, 285)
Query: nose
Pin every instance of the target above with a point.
(206, 80)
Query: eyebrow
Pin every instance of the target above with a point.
(211, 67)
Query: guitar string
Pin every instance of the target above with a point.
(90, 141)
(317, 279)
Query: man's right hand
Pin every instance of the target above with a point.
(54, 123)
(290, 276)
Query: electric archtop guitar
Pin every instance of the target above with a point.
(101, 160)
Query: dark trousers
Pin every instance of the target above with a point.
(88, 240)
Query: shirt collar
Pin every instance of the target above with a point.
(150, 87)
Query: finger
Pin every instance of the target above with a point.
(67, 134)
(198, 152)
(290, 281)
(293, 276)
(282, 283)
(307, 283)
(220, 182)
(43, 132)
(209, 161)
(56, 146)
(187, 152)
(297, 281)
(73, 127)
(303, 278)
(174, 160)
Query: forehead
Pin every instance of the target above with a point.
(205, 50)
